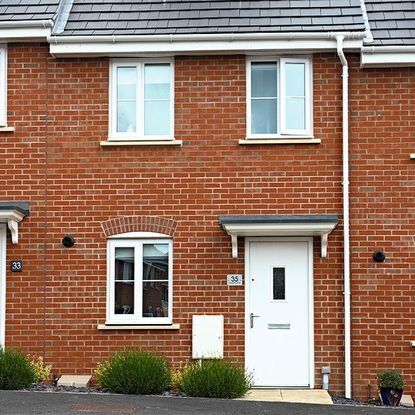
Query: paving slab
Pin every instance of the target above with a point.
(314, 396)
(263, 395)
(80, 381)
(407, 401)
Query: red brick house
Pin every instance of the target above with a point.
(163, 160)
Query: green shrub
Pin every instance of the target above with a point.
(135, 372)
(41, 371)
(16, 372)
(215, 379)
(390, 379)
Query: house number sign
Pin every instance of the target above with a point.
(16, 266)
(234, 279)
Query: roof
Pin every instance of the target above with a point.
(18, 10)
(391, 22)
(144, 17)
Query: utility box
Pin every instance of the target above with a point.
(207, 338)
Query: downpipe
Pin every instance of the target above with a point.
(346, 218)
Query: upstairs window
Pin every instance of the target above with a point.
(139, 281)
(279, 97)
(3, 86)
(141, 98)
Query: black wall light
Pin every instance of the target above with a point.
(379, 256)
(68, 241)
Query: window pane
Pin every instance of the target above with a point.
(295, 79)
(126, 116)
(278, 284)
(126, 83)
(295, 113)
(155, 299)
(264, 79)
(155, 262)
(157, 118)
(124, 264)
(157, 81)
(264, 116)
(124, 298)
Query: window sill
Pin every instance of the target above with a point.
(138, 327)
(412, 156)
(299, 140)
(114, 143)
(6, 129)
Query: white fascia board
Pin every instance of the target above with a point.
(25, 31)
(280, 229)
(145, 46)
(387, 56)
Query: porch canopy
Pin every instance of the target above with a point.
(278, 225)
(12, 212)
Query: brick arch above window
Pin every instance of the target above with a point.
(126, 224)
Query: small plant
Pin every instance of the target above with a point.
(41, 371)
(391, 385)
(176, 379)
(215, 379)
(391, 379)
(16, 371)
(134, 372)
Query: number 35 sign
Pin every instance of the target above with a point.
(234, 279)
(16, 266)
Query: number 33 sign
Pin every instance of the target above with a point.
(16, 266)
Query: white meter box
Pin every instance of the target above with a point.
(207, 341)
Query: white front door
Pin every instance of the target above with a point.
(2, 282)
(279, 319)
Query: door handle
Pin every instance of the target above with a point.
(251, 319)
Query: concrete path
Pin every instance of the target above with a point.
(38, 403)
(314, 396)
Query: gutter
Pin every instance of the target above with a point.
(150, 45)
(371, 50)
(204, 37)
(22, 24)
(346, 218)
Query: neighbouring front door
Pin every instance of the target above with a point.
(279, 312)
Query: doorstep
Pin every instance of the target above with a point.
(313, 396)
(79, 381)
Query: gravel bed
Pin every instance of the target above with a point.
(338, 400)
(43, 387)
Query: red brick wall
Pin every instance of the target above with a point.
(382, 218)
(22, 166)
(55, 305)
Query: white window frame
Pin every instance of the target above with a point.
(3, 85)
(137, 317)
(139, 65)
(282, 130)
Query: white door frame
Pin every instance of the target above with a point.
(3, 234)
(310, 295)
